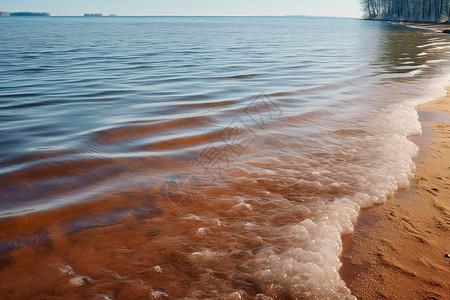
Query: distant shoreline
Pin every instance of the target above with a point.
(438, 27)
(199, 16)
(24, 14)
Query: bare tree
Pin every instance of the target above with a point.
(407, 10)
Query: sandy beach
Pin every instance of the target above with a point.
(398, 249)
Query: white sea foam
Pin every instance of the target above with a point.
(309, 267)
(441, 47)
(432, 44)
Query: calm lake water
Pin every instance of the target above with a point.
(200, 157)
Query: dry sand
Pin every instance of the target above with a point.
(398, 250)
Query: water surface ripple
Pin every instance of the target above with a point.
(200, 157)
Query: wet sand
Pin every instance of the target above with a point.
(398, 249)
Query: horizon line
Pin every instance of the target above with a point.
(276, 16)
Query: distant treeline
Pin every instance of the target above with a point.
(24, 14)
(407, 10)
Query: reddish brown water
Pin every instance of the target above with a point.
(152, 158)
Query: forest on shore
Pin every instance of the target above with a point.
(435, 11)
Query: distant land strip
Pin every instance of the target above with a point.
(24, 14)
(44, 14)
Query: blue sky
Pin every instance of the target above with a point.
(341, 8)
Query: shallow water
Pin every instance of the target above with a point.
(172, 157)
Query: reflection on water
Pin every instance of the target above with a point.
(200, 157)
(405, 51)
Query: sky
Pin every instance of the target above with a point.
(341, 8)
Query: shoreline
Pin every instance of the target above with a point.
(438, 27)
(398, 249)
